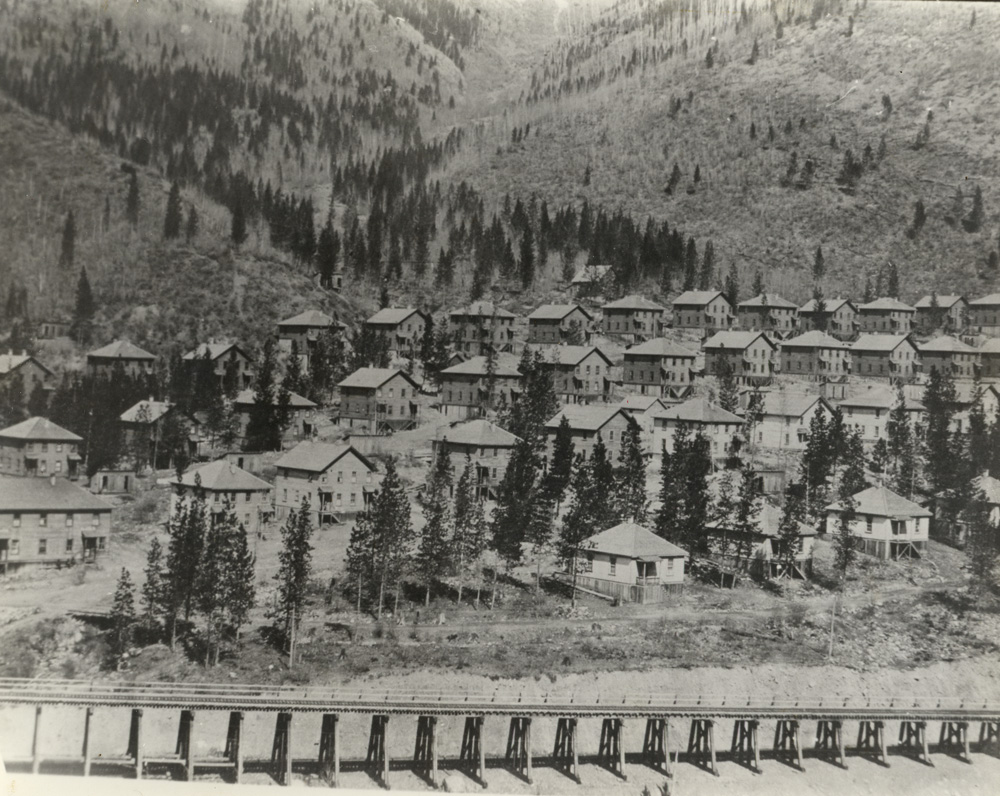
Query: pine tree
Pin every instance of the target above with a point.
(187, 529)
(153, 590)
(292, 577)
(469, 538)
(843, 541)
(122, 614)
(919, 219)
(758, 286)
(746, 520)
(527, 259)
(538, 532)
(83, 311)
(239, 590)
(817, 466)
(238, 224)
(789, 530)
(68, 242)
(561, 468)
(209, 584)
(264, 430)
(974, 221)
(853, 477)
(434, 552)
(510, 516)
(360, 559)
(191, 229)
(579, 523)
(631, 503)
(902, 464)
(132, 201)
(732, 286)
(392, 535)
(707, 266)
(669, 516)
(174, 215)
(729, 398)
(819, 267)
(982, 545)
(940, 456)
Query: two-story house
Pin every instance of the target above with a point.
(378, 400)
(984, 315)
(231, 365)
(653, 367)
(633, 318)
(303, 330)
(785, 419)
(301, 415)
(586, 423)
(337, 480)
(559, 323)
(580, 373)
(950, 355)
(884, 524)
(485, 445)
(38, 447)
(989, 358)
(868, 412)
(837, 317)
(886, 356)
(707, 310)
(481, 326)
(465, 386)
(21, 374)
(768, 313)
(219, 484)
(934, 312)
(751, 355)
(133, 361)
(815, 354)
(886, 316)
(402, 328)
(143, 425)
(50, 521)
(722, 428)
(642, 409)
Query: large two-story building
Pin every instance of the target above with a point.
(656, 366)
(633, 318)
(22, 374)
(768, 312)
(580, 373)
(337, 480)
(751, 355)
(835, 316)
(586, 423)
(402, 328)
(559, 323)
(38, 447)
(466, 386)
(885, 525)
(950, 355)
(222, 484)
(722, 428)
(707, 310)
(984, 315)
(885, 356)
(941, 312)
(379, 399)
(483, 444)
(133, 361)
(886, 316)
(231, 365)
(816, 355)
(302, 332)
(481, 326)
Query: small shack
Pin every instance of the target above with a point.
(630, 563)
(113, 481)
(763, 553)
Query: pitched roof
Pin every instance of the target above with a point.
(46, 494)
(574, 354)
(215, 350)
(39, 428)
(120, 349)
(146, 412)
(633, 303)
(990, 346)
(788, 404)
(296, 401)
(699, 410)
(769, 300)
(660, 347)
(813, 339)
(393, 315)
(768, 520)
(556, 312)
(886, 303)
(10, 361)
(483, 309)
(641, 403)
(877, 397)
(946, 345)
(476, 366)
(583, 417)
(944, 302)
(221, 476)
(696, 297)
(373, 378)
(883, 502)
(631, 540)
(308, 318)
(880, 342)
(736, 340)
(989, 301)
(832, 305)
(590, 273)
(318, 456)
(478, 432)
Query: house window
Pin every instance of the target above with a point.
(69, 520)
(353, 498)
(101, 542)
(58, 467)
(16, 521)
(43, 520)
(868, 524)
(43, 547)
(42, 466)
(340, 476)
(614, 563)
(95, 519)
(69, 545)
(15, 547)
(354, 477)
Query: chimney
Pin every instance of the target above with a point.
(52, 480)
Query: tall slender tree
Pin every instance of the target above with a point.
(469, 538)
(434, 552)
(122, 614)
(292, 577)
(68, 247)
(174, 214)
(631, 503)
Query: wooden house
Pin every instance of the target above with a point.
(633, 318)
(590, 280)
(751, 355)
(143, 424)
(559, 324)
(231, 365)
(837, 317)
(464, 391)
(113, 481)
(764, 554)
(770, 313)
(301, 415)
(133, 361)
(54, 328)
(38, 447)
(379, 400)
(950, 355)
(984, 316)
(885, 356)
(221, 485)
(482, 326)
(785, 419)
(303, 331)
(885, 525)
(708, 310)
(642, 409)
(886, 316)
(816, 355)
(956, 529)
(401, 328)
(989, 358)
(21, 374)
(868, 412)
(580, 374)
(653, 367)
(487, 446)
(723, 429)
(630, 563)
(50, 521)
(934, 312)
(586, 423)
(337, 480)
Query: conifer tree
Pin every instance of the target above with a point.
(974, 221)
(729, 398)
(902, 464)
(561, 468)
(630, 498)
(732, 286)
(789, 531)
(360, 561)
(68, 246)
(264, 429)
(292, 577)
(239, 582)
(392, 535)
(843, 541)
(939, 400)
(191, 229)
(758, 287)
(513, 508)
(669, 524)
(83, 311)
(122, 614)
(434, 552)
(187, 529)
(174, 214)
(132, 201)
(982, 545)
(707, 264)
(723, 513)
(153, 590)
(819, 266)
(238, 224)
(210, 598)
(579, 523)
(853, 478)
(527, 259)
(469, 539)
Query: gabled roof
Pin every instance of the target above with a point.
(215, 350)
(630, 540)
(120, 349)
(698, 410)
(736, 340)
(9, 362)
(318, 456)
(946, 345)
(478, 432)
(642, 403)
(660, 347)
(989, 301)
(813, 339)
(881, 342)
(634, 303)
(296, 401)
(41, 429)
(146, 412)
(582, 417)
(556, 312)
(990, 346)
(944, 302)
(832, 305)
(476, 366)
(47, 494)
(573, 355)
(886, 304)
(590, 273)
(482, 309)
(308, 318)
(373, 378)
(768, 520)
(877, 397)
(698, 298)
(882, 502)
(769, 300)
(394, 315)
(221, 476)
(786, 404)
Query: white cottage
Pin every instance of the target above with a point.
(885, 525)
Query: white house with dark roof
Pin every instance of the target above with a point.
(835, 316)
(941, 312)
(379, 400)
(886, 316)
(656, 366)
(708, 310)
(751, 355)
(580, 373)
(633, 318)
(230, 363)
(465, 385)
(559, 323)
(722, 428)
(765, 555)
(885, 356)
(219, 484)
(402, 327)
(785, 419)
(630, 563)
(642, 409)
(480, 326)
(39, 447)
(768, 312)
(487, 446)
(948, 354)
(301, 415)
(586, 423)
(984, 316)
(867, 411)
(133, 360)
(816, 355)
(885, 525)
(337, 480)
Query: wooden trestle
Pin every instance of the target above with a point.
(913, 735)
(378, 750)
(612, 749)
(955, 737)
(518, 754)
(787, 738)
(656, 745)
(701, 742)
(871, 739)
(564, 752)
(473, 753)
(745, 748)
(830, 738)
